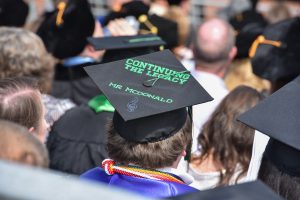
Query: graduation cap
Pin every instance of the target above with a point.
(278, 117)
(150, 94)
(13, 12)
(276, 53)
(175, 2)
(165, 28)
(245, 191)
(80, 145)
(122, 47)
(132, 8)
(248, 25)
(64, 31)
(254, 4)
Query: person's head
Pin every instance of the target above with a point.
(278, 117)
(159, 25)
(116, 5)
(285, 185)
(275, 55)
(20, 102)
(22, 53)
(175, 13)
(185, 5)
(151, 115)
(214, 47)
(227, 140)
(278, 12)
(13, 12)
(18, 145)
(158, 154)
(64, 31)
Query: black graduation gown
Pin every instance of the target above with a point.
(77, 141)
(74, 83)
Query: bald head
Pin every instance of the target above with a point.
(215, 40)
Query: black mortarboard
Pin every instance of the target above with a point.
(132, 8)
(148, 108)
(175, 2)
(122, 47)
(246, 17)
(277, 51)
(64, 31)
(125, 42)
(13, 12)
(278, 116)
(254, 4)
(165, 28)
(248, 25)
(245, 191)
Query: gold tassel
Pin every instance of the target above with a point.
(61, 8)
(144, 20)
(261, 40)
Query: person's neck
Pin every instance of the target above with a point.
(218, 72)
(219, 69)
(208, 164)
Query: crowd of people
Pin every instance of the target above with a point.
(142, 99)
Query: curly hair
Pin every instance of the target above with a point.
(22, 53)
(148, 155)
(227, 140)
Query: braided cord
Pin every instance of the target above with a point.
(110, 168)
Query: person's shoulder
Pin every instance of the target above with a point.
(96, 174)
(178, 189)
(81, 124)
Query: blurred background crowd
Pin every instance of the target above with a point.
(244, 53)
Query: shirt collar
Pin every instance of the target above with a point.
(188, 179)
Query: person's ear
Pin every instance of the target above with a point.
(31, 129)
(183, 153)
(29, 158)
(90, 48)
(232, 53)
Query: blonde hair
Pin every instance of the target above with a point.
(18, 145)
(176, 14)
(240, 73)
(20, 102)
(22, 53)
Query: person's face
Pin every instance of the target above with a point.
(43, 126)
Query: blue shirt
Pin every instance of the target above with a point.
(143, 186)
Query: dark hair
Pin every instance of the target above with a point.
(149, 155)
(283, 184)
(227, 140)
(20, 101)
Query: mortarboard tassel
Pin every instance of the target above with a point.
(262, 40)
(61, 8)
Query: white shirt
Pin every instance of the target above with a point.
(208, 180)
(215, 86)
(259, 145)
(187, 178)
